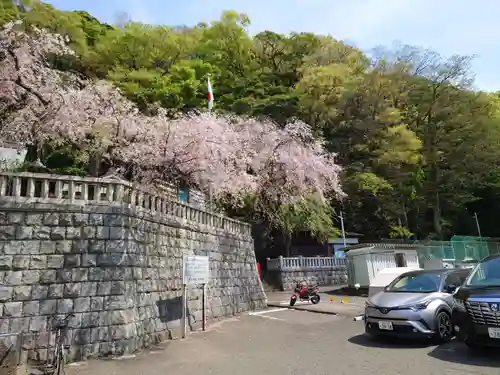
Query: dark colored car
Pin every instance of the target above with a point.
(476, 308)
(416, 304)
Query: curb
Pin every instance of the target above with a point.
(301, 308)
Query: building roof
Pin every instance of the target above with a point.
(382, 246)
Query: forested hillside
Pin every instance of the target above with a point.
(418, 148)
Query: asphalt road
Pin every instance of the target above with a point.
(351, 307)
(282, 342)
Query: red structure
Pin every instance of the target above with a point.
(258, 270)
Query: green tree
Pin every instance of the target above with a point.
(418, 144)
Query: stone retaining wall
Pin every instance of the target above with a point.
(334, 276)
(118, 269)
(286, 272)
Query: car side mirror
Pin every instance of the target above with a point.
(451, 289)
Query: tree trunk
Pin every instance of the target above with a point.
(430, 144)
(405, 215)
(94, 165)
(287, 241)
(436, 209)
(436, 216)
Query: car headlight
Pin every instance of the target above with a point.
(420, 306)
(458, 303)
(368, 303)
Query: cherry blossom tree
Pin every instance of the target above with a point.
(233, 156)
(39, 103)
(27, 86)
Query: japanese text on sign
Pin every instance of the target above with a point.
(196, 270)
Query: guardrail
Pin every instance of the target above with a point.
(300, 263)
(74, 190)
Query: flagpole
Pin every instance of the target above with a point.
(211, 95)
(210, 103)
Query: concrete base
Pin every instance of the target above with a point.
(14, 370)
(21, 370)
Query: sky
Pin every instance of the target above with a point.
(449, 27)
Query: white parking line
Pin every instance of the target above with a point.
(266, 311)
(296, 303)
(270, 317)
(262, 314)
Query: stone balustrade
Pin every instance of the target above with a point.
(48, 188)
(302, 263)
(285, 272)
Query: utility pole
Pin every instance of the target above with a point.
(477, 224)
(342, 226)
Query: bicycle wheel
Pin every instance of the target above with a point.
(53, 362)
(60, 362)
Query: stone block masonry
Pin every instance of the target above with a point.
(115, 262)
(334, 276)
(285, 272)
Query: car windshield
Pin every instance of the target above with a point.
(416, 283)
(485, 274)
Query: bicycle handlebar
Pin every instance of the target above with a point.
(57, 323)
(70, 315)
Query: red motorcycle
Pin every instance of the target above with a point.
(305, 293)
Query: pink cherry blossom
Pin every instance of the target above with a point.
(228, 154)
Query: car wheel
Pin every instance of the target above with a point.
(367, 330)
(444, 327)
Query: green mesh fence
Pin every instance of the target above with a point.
(436, 250)
(467, 247)
(459, 248)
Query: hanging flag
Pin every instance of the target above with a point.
(210, 95)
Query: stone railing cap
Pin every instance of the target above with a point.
(115, 180)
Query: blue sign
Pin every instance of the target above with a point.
(183, 194)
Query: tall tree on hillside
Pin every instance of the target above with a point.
(418, 145)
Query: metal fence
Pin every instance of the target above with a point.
(458, 249)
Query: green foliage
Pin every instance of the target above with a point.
(399, 232)
(370, 183)
(308, 214)
(398, 146)
(418, 146)
(8, 11)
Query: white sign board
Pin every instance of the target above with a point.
(196, 270)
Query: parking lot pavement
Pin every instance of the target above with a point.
(294, 317)
(295, 342)
(336, 305)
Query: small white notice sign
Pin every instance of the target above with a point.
(196, 270)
